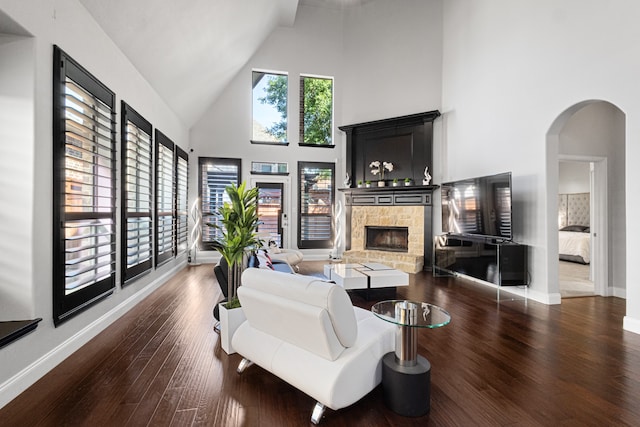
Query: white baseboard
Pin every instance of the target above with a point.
(18, 383)
(618, 292)
(630, 324)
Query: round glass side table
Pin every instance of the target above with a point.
(406, 376)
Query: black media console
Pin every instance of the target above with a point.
(503, 263)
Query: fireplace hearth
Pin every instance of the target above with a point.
(394, 239)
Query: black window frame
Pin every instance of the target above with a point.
(254, 82)
(129, 274)
(66, 306)
(302, 139)
(316, 243)
(206, 212)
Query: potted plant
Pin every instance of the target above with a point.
(367, 184)
(238, 224)
(359, 183)
(231, 317)
(395, 182)
(407, 181)
(378, 168)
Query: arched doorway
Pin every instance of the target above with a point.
(592, 131)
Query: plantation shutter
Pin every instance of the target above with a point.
(182, 209)
(164, 198)
(137, 172)
(84, 188)
(215, 175)
(316, 196)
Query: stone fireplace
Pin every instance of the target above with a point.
(407, 143)
(394, 218)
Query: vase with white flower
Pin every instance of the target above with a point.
(378, 168)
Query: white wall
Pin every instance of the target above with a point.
(382, 68)
(510, 68)
(392, 59)
(573, 177)
(67, 24)
(16, 176)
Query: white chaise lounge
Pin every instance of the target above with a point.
(307, 332)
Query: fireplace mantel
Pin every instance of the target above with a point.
(412, 195)
(407, 143)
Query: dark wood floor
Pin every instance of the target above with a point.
(512, 363)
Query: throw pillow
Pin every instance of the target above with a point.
(264, 260)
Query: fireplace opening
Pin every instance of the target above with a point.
(395, 239)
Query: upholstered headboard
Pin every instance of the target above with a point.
(573, 209)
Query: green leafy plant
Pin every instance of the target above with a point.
(407, 180)
(395, 180)
(238, 227)
(359, 182)
(233, 303)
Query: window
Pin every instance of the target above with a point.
(316, 196)
(84, 164)
(316, 111)
(137, 170)
(182, 207)
(215, 174)
(164, 198)
(270, 92)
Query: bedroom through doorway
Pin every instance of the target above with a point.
(592, 132)
(575, 211)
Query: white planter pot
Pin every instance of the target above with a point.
(230, 320)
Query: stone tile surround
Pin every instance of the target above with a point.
(388, 216)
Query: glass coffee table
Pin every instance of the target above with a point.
(406, 376)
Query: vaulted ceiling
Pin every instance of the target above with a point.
(189, 50)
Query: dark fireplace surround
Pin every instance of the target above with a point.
(394, 239)
(407, 143)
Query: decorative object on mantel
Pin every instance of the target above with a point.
(407, 182)
(427, 177)
(347, 181)
(359, 183)
(367, 184)
(379, 168)
(395, 182)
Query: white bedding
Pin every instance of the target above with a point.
(575, 244)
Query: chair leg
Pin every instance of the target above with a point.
(244, 364)
(318, 412)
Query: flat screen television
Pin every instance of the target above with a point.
(478, 206)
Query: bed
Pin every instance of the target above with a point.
(574, 238)
(574, 244)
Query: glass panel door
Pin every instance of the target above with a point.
(270, 208)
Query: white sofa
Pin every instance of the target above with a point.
(290, 256)
(307, 332)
